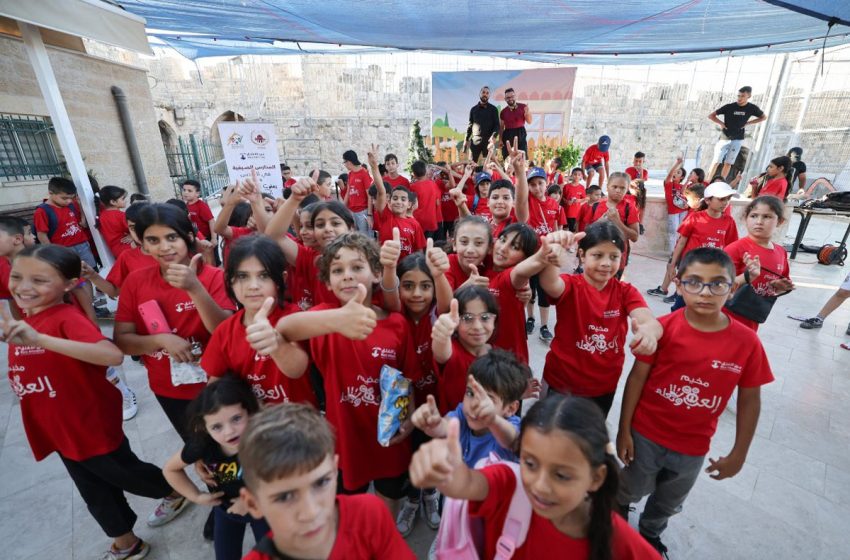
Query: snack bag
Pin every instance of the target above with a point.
(395, 403)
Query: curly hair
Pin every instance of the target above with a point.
(355, 241)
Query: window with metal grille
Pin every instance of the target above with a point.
(27, 149)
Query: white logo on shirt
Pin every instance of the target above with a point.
(28, 350)
(42, 385)
(598, 342)
(610, 314)
(422, 348)
(726, 366)
(383, 353)
(276, 393)
(364, 394)
(72, 230)
(688, 396)
(184, 306)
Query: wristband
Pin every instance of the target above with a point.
(393, 289)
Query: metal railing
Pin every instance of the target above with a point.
(27, 149)
(200, 159)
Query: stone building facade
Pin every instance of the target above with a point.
(84, 81)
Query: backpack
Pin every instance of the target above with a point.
(461, 537)
(53, 218)
(837, 200)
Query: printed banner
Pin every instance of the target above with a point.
(252, 146)
(547, 92)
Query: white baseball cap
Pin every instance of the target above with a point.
(720, 190)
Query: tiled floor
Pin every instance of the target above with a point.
(791, 500)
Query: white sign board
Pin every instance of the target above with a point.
(250, 146)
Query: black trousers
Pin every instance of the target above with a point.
(103, 479)
(478, 150)
(175, 410)
(508, 138)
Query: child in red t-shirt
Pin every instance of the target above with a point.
(587, 355)
(288, 450)
(471, 245)
(674, 396)
(199, 210)
(620, 212)
(246, 343)
(559, 435)
(585, 212)
(392, 214)
(472, 314)
(637, 171)
(710, 226)
(573, 195)
(350, 341)
(192, 299)
(776, 178)
(556, 193)
(596, 158)
(759, 261)
(428, 214)
(111, 221)
(57, 368)
(15, 236)
(234, 221)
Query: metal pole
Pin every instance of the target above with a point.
(130, 139)
(773, 116)
(37, 53)
(804, 106)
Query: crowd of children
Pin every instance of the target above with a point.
(313, 297)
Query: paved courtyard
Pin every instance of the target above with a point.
(791, 500)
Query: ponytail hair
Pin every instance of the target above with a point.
(583, 421)
(109, 194)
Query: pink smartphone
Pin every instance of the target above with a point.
(153, 317)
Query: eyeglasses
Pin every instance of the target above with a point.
(469, 318)
(716, 288)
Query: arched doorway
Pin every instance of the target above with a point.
(227, 116)
(169, 144)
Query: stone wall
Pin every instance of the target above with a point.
(85, 82)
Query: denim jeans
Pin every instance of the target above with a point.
(361, 224)
(666, 475)
(230, 531)
(729, 152)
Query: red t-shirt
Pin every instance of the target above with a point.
(289, 182)
(428, 210)
(480, 208)
(775, 187)
(576, 192)
(448, 208)
(593, 156)
(200, 214)
(359, 182)
(455, 274)
(144, 285)
(365, 529)
(633, 173)
(351, 371)
(510, 328)
(113, 227)
(235, 233)
(556, 178)
(400, 181)
(585, 212)
(421, 333)
(774, 264)
(453, 376)
(693, 375)
(305, 275)
(629, 215)
(229, 351)
(410, 232)
(676, 203)
(587, 354)
(67, 404)
(513, 118)
(544, 540)
(543, 215)
(704, 231)
(128, 261)
(68, 231)
(5, 270)
(562, 216)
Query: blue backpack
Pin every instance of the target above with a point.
(53, 218)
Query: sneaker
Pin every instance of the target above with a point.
(670, 299)
(545, 335)
(131, 406)
(406, 517)
(137, 551)
(812, 323)
(167, 510)
(103, 313)
(655, 542)
(99, 301)
(529, 326)
(431, 509)
(658, 292)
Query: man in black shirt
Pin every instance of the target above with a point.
(483, 124)
(798, 171)
(735, 117)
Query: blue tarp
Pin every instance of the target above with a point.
(567, 31)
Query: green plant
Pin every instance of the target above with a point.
(416, 149)
(569, 153)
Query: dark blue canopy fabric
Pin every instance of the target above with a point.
(560, 31)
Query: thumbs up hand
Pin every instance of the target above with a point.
(357, 318)
(436, 259)
(435, 463)
(476, 279)
(185, 277)
(260, 334)
(446, 324)
(391, 250)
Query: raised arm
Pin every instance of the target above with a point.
(676, 165)
(438, 265)
(380, 191)
(253, 191)
(390, 253)
(228, 202)
(519, 162)
(354, 320)
(279, 224)
(442, 331)
(185, 277)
